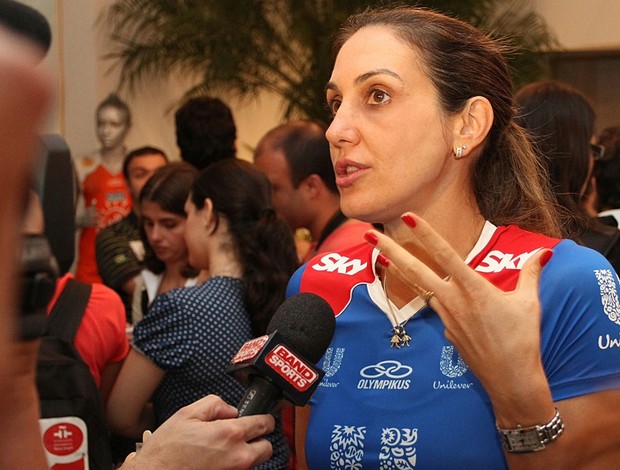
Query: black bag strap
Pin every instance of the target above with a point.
(66, 316)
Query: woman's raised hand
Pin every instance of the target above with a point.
(497, 333)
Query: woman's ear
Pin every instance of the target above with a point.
(471, 126)
(208, 216)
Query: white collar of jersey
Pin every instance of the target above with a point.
(375, 290)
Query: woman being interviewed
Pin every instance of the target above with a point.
(184, 344)
(437, 362)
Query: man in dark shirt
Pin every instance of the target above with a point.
(119, 249)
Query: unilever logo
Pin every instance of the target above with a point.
(611, 307)
(451, 365)
(331, 363)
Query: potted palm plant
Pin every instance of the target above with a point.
(245, 47)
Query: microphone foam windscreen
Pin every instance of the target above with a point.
(307, 322)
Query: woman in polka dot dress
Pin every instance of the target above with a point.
(183, 346)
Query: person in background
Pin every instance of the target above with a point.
(183, 346)
(105, 197)
(607, 177)
(295, 157)
(25, 21)
(561, 121)
(163, 224)
(100, 338)
(205, 131)
(25, 88)
(200, 435)
(469, 334)
(609, 137)
(119, 248)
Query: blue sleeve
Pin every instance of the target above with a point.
(580, 333)
(165, 335)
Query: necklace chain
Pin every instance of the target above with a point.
(400, 336)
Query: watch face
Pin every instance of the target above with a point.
(523, 441)
(529, 439)
(534, 438)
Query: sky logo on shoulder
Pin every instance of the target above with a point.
(333, 262)
(497, 261)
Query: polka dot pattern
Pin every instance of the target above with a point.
(193, 333)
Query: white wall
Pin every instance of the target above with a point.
(84, 78)
(152, 104)
(583, 24)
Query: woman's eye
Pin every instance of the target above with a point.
(333, 106)
(378, 97)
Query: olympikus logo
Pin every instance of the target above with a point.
(333, 262)
(386, 375)
(291, 368)
(497, 261)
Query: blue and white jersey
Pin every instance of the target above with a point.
(420, 407)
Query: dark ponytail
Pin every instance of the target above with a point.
(262, 242)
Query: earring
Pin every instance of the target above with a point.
(459, 151)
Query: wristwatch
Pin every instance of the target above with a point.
(533, 438)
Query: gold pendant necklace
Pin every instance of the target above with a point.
(400, 336)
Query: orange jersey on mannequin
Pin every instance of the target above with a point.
(110, 196)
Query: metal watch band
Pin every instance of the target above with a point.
(533, 438)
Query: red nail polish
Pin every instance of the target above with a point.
(371, 238)
(409, 220)
(383, 260)
(545, 257)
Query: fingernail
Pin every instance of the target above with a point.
(409, 220)
(545, 257)
(371, 238)
(383, 260)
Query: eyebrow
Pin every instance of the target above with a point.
(365, 76)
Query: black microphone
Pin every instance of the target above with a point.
(281, 364)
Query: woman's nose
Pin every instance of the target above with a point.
(155, 233)
(341, 130)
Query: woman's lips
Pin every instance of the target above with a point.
(348, 172)
(159, 251)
